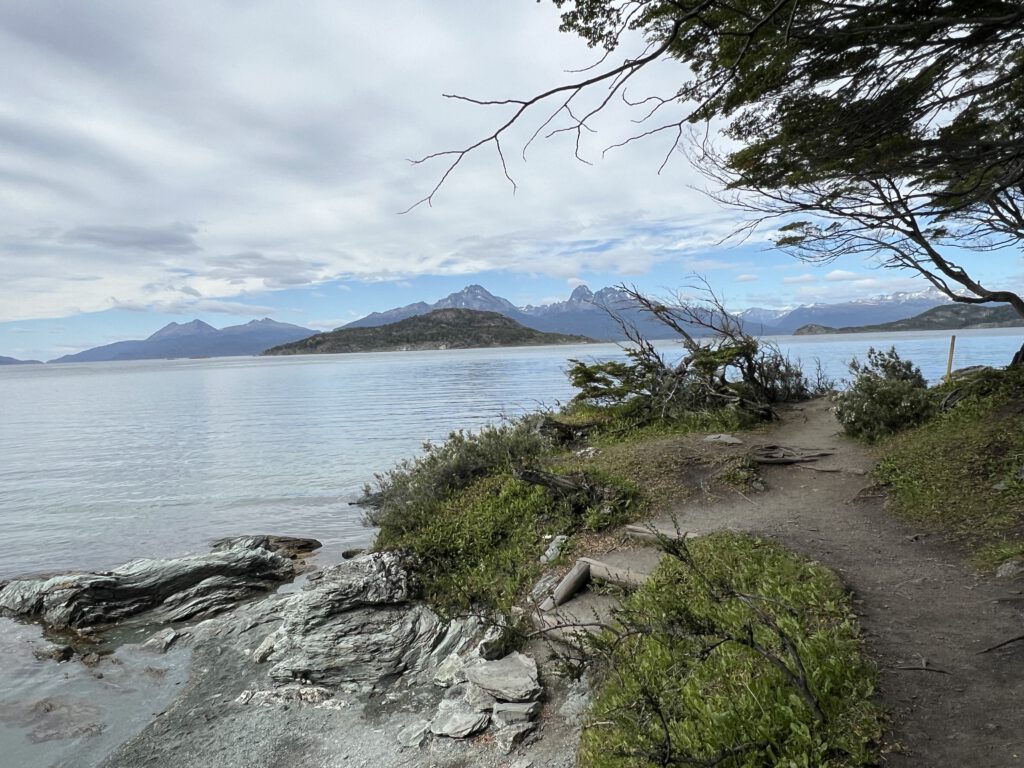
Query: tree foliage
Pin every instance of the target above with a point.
(887, 129)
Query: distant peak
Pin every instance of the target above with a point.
(183, 329)
(581, 294)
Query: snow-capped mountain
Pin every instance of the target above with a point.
(884, 308)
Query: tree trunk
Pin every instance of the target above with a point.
(1018, 358)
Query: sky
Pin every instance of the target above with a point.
(235, 159)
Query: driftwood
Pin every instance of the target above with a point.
(567, 485)
(575, 580)
(563, 433)
(781, 454)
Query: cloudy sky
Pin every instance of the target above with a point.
(232, 159)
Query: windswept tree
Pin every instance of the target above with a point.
(893, 130)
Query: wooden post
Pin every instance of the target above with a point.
(949, 363)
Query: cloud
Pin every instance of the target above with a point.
(277, 169)
(798, 279)
(575, 282)
(841, 275)
(185, 307)
(746, 278)
(173, 238)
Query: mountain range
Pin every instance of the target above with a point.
(878, 309)
(13, 361)
(948, 317)
(582, 314)
(196, 339)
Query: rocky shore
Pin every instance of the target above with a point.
(349, 670)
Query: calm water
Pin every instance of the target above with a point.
(104, 462)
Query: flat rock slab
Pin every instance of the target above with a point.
(458, 720)
(197, 586)
(513, 678)
(354, 623)
(510, 712)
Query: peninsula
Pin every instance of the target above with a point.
(948, 317)
(441, 329)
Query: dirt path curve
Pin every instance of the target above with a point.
(925, 614)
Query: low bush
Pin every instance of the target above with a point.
(887, 395)
(471, 515)
(735, 653)
(962, 472)
(480, 547)
(401, 497)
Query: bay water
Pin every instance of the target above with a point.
(101, 463)
(104, 462)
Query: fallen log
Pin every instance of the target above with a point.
(563, 433)
(781, 454)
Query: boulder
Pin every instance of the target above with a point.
(513, 678)
(291, 547)
(414, 734)
(457, 719)
(479, 699)
(354, 624)
(554, 549)
(181, 588)
(510, 712)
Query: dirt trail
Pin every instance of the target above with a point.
(925, 614)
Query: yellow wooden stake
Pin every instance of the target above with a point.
(949, 363)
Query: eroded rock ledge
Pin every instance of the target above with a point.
(353, 670)
(181, 589)
(349, 668)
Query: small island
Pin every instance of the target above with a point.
(441, 329)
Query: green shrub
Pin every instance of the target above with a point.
(887, 395)
(480, 547)
(412, 489)
(470, 515)
(738, 654)
(962, 472)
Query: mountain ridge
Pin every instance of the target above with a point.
(195, 339)
(582, 314)
(878, 309)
